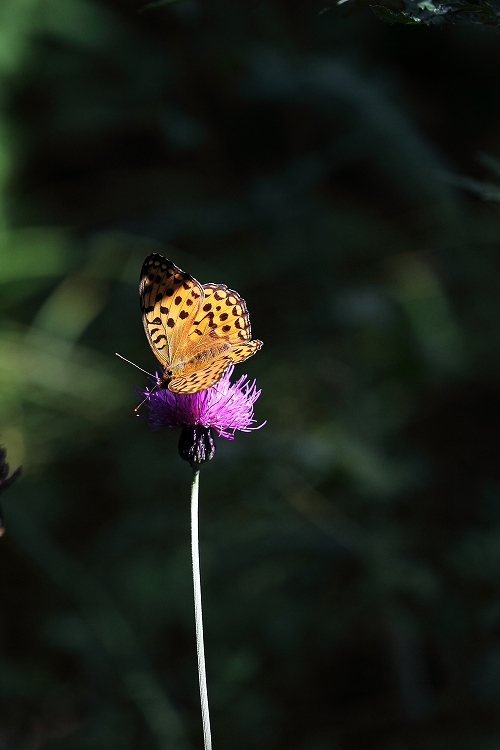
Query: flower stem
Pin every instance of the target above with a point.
(198, 612)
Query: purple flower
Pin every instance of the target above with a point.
(224, 407)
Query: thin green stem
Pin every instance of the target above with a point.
(198, 612)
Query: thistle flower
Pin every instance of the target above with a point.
(224, 407)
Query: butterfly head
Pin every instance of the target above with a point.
(166, 378)
(170, 373)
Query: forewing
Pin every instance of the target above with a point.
(222, 314)
(170, 301)
(199, 380)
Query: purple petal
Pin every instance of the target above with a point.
(225, 406)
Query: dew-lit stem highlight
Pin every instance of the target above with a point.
(198, 612)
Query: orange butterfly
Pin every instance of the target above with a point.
(196, 332)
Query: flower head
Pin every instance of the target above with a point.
(224, 407)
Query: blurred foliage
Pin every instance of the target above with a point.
(351, 548)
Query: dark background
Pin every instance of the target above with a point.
(333, 170)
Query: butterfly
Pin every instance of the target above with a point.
(195, 331)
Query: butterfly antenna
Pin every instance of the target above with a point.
(142, 402)
(134, 365)
(147, 397)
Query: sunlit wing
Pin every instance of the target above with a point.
(170, 301)
(243, 352)
(198, 380)
(224, 314)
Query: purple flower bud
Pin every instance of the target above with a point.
(196, 445)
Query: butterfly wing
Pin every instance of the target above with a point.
(170, 301)
(198, 380)
(243, 352)
(223, 317)
(223, 314)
